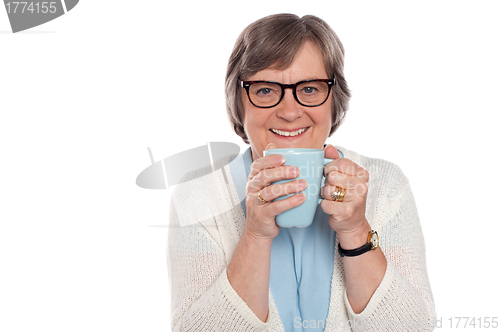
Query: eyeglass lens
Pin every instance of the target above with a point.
(269, 94)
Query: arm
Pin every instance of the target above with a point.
(202, 297)
(205, 294)
(388, 285)
(249, 269)
(403, 299)
(248, 273)
(363, 273)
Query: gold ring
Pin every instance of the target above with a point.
(338, 194)
(262, 200)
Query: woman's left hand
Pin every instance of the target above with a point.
(348, 216)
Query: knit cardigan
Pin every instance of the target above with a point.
(207, 222)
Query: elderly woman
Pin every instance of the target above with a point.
(238, 270)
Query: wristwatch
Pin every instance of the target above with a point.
(371, 244)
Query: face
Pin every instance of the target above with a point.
(289, 116)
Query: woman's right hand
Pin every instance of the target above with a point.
(260, 222)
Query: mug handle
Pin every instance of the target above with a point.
(326, 161)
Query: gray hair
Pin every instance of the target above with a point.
(273, 42)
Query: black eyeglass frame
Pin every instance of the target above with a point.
(246, 85)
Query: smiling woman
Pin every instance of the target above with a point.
(265, 48)
(239, 270)
(290, 122)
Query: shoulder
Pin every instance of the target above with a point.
(374, 164)
(204, 194)
(384, 175)
(389, 193)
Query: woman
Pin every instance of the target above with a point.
(238, 270)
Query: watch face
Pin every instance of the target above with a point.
(374, 240)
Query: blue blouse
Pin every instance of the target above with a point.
(301, 263)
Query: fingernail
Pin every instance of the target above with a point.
(300, 197)
(279, 159)
(302, 184)
(267, 146)
(295, 171)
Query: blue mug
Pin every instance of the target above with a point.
(310, 163)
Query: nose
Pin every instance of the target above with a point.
(288, 109)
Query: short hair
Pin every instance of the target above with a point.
(273, 42)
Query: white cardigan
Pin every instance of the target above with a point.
(206, 224)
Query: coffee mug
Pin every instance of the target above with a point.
(310, 163)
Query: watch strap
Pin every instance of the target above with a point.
(355, 252)
(371, 244)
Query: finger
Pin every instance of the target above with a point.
(277, 207)
(331, 152)
(347, 167)
(268, 176)
(345, 181)
(337, 209)
(276, 190)
(256, 155)
(270, 146)
(262, 163)
(330, 207)
(335, 178)
(327, 192)
(350, 193)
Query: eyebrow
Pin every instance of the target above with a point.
(300, 80)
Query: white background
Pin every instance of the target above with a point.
(83, 96)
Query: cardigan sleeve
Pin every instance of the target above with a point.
(202, 297)
(403, 300)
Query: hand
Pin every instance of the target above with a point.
(261, 222)
(348, 216)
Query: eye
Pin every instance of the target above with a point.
(264, 91)
(309, 90)
(264, 94)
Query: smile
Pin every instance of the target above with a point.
(288, 133)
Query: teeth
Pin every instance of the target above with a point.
(288, 133)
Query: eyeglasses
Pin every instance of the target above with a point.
(267, 94)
